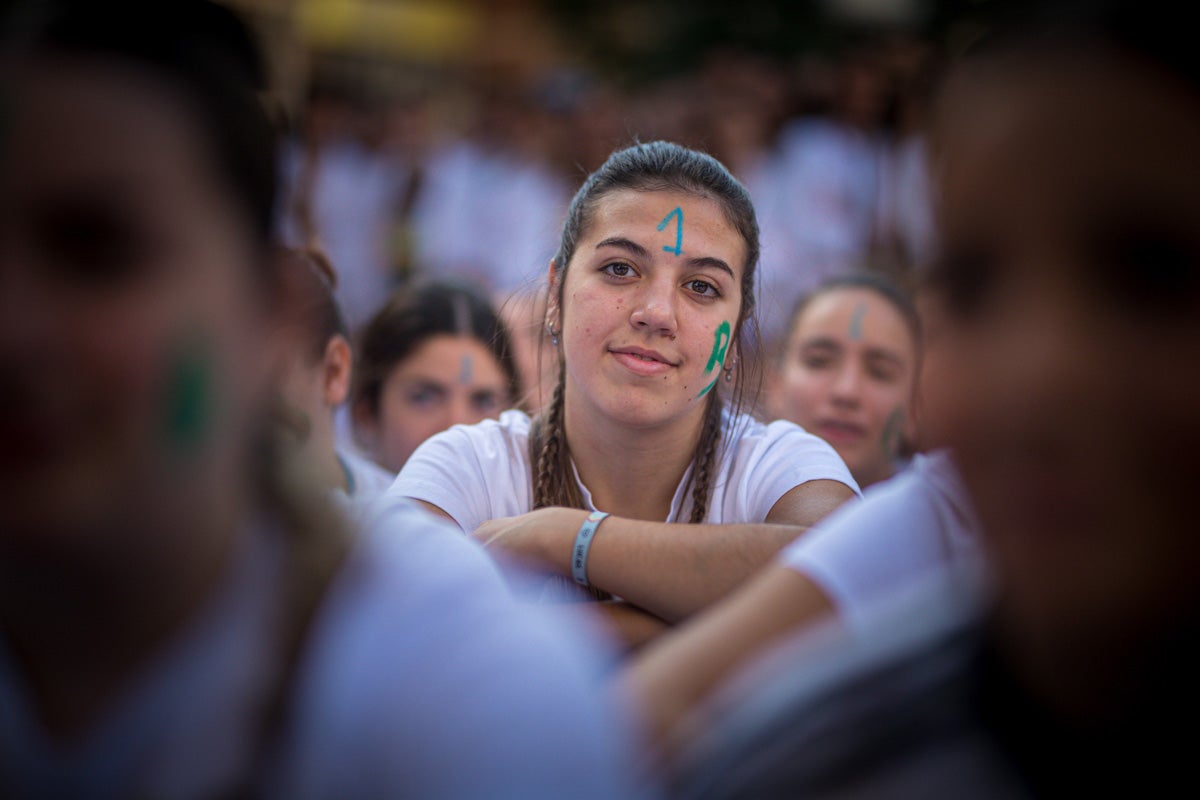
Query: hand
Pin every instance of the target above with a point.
(544, 537)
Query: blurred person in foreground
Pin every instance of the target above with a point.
(1069, 205)
(1069, 202)
(179, 617)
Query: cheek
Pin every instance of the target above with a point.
(803, 390)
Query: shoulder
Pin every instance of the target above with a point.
(753, 446)
(511, 429)
(490, 445)
(831, 728)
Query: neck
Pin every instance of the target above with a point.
(81, 625)
(630, 472)
(322, 456)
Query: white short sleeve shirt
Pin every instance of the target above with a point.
(477, 473)
(916, 528)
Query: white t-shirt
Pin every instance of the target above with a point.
(421, 677)
(915, 528)
(477, 473)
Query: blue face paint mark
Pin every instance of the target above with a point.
(678, 213)
(466, 371)
(856, 321)
(721, 339)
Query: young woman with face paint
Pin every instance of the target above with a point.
(316, 380)
(650, 292)
(1069, 205)
(437, 355)
(848, 370)
(179, 617)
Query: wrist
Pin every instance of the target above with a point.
(581, 548)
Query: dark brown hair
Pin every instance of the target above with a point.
(414, 315)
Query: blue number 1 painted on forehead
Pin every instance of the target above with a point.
(678, 248)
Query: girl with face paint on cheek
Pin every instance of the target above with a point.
(650, 292)
(181, 613)
(848, 371)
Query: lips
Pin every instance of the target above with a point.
(642, 361)
(839, 431)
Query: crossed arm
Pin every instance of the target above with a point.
(671, 570)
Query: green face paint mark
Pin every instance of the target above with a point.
(678, 214)
(189, 399)
(893, 433)
(856, 321)
(721, 339)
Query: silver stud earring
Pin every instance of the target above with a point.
(729, 372)
(553, 335)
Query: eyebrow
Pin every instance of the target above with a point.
(636, 249)
(821, 342)
(622, 243)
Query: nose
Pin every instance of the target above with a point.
(654, 309)
(460, 411)
(847, 386)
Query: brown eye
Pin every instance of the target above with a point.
(618, 270)
(703, 288)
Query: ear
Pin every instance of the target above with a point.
(335, 381)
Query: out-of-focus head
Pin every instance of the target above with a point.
(1070, 217)
(437, 355)
(316, 375)
(136, 190)
(848, 369)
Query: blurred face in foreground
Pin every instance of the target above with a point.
(1070, 213)
(133, 313)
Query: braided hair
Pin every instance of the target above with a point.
(649, 167)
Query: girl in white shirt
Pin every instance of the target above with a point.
(650, 292)
(176, 618)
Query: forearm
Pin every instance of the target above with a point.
(633, 627)
(673, 570)
(676, 673)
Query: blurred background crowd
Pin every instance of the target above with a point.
(443, 138)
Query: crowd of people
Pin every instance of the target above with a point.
(275, 522)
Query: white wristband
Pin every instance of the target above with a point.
(583, 543)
